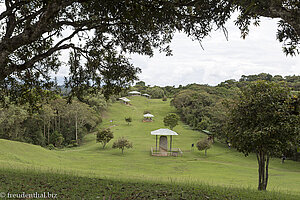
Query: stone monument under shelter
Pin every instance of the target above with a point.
(163, 143)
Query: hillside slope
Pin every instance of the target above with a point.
(222, 166)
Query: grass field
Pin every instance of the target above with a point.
(221, 167)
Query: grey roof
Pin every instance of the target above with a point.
(163, 131)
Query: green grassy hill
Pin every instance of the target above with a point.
(221, 167)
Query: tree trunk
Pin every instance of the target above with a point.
(59, 123)
(55, 123)
(48, 132)
(205, 151)
(44, 129)
(76, 127)
(122, 150)
(263, 170)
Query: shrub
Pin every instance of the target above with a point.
(104, 136)
(51, 146)
(203, 145)
(128, 119)
(122, 143)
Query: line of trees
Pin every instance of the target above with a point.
(57, 122)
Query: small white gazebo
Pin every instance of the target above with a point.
(146, 95)
(125, 100)
(148, 117)
(163, 143)
(134, 93)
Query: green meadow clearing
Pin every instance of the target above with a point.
(221, 167)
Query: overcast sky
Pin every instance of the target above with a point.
(221, 59)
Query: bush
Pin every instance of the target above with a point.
(122, 143)
(51, 147)
(128, 119)
(203, 145)
(164, 98)
(74, 143)
(104, 136)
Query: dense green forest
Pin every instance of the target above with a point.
(57, 123)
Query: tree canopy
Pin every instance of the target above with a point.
(104, 136)
(171, 120)
(122, 143)
(100, 33)
(264, 120)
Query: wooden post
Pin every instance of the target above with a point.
(171, 144)
(156, 142)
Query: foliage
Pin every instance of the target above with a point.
(265, 121)
(204, 124)
(164, 98)
(155, 92)
(171, 120)
(202, 107)
(104, 136)
(292, 81)
(56, 139)
(122, 143)
(97, 102)
(51, 147)
(128, 120)
(11, 120)
(32, 37)
(56, 122)
(203, 145)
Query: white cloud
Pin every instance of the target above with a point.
(221, 59)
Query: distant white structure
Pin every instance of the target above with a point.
(125, 100)
(148, 117)
(134, 93)
(146, 95)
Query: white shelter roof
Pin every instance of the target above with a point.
(124, 99)
(148, 115)
(147, 95)
(163, 131)
(134, 92)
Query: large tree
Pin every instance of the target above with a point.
(265, 121)
(34, 32)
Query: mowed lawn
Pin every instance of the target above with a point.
(222, 166)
